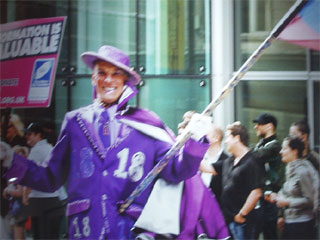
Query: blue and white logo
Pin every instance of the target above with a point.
(42, 75)
(42, 72)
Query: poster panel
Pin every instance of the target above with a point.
(29, 52)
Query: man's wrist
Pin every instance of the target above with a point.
(242, 215)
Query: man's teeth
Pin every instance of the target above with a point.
(109, 89)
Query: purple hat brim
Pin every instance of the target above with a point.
(89, 58)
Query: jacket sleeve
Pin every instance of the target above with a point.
(49, 177)
(269, 152)
(306, 188)
(184, 164)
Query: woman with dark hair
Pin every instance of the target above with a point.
(301, 130)
(299, 196)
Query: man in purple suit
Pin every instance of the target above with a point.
(105, 150)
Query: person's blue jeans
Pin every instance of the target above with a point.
(247, 230)
(237, 230)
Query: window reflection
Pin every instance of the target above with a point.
(170, 98)
(315, 61)
(97, 23)
(174, 36)
(316, 106)
(286, 100)
(254, 20)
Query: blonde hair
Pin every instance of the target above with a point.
(216, 130)
(17, 123)
(22, 150)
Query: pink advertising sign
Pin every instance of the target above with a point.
(29, 52)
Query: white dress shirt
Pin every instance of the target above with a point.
(206, 177)
(39, 154)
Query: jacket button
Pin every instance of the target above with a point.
(104, 197)
(105, 173)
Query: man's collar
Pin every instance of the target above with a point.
(99, 109)
(128, 93)
(269, 139)
(42, 141)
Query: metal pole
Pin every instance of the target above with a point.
(210, 108)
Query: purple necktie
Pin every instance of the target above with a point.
(104, 131)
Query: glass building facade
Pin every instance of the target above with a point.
(185, 51)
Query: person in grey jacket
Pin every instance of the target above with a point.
(299, 196)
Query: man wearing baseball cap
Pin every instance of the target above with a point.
(105, 150)
(267, 152)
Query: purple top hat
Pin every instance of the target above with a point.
(114, 56)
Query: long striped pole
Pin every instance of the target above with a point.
(211, 107)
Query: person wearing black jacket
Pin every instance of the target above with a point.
(267, 152)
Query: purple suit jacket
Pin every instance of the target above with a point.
(97, 178)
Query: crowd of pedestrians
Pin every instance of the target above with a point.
(272, 190)
(107, 148)
(280, 200)
(44, 211)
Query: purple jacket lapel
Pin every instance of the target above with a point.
(85, 119)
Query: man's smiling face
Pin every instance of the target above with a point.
(109, 81)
